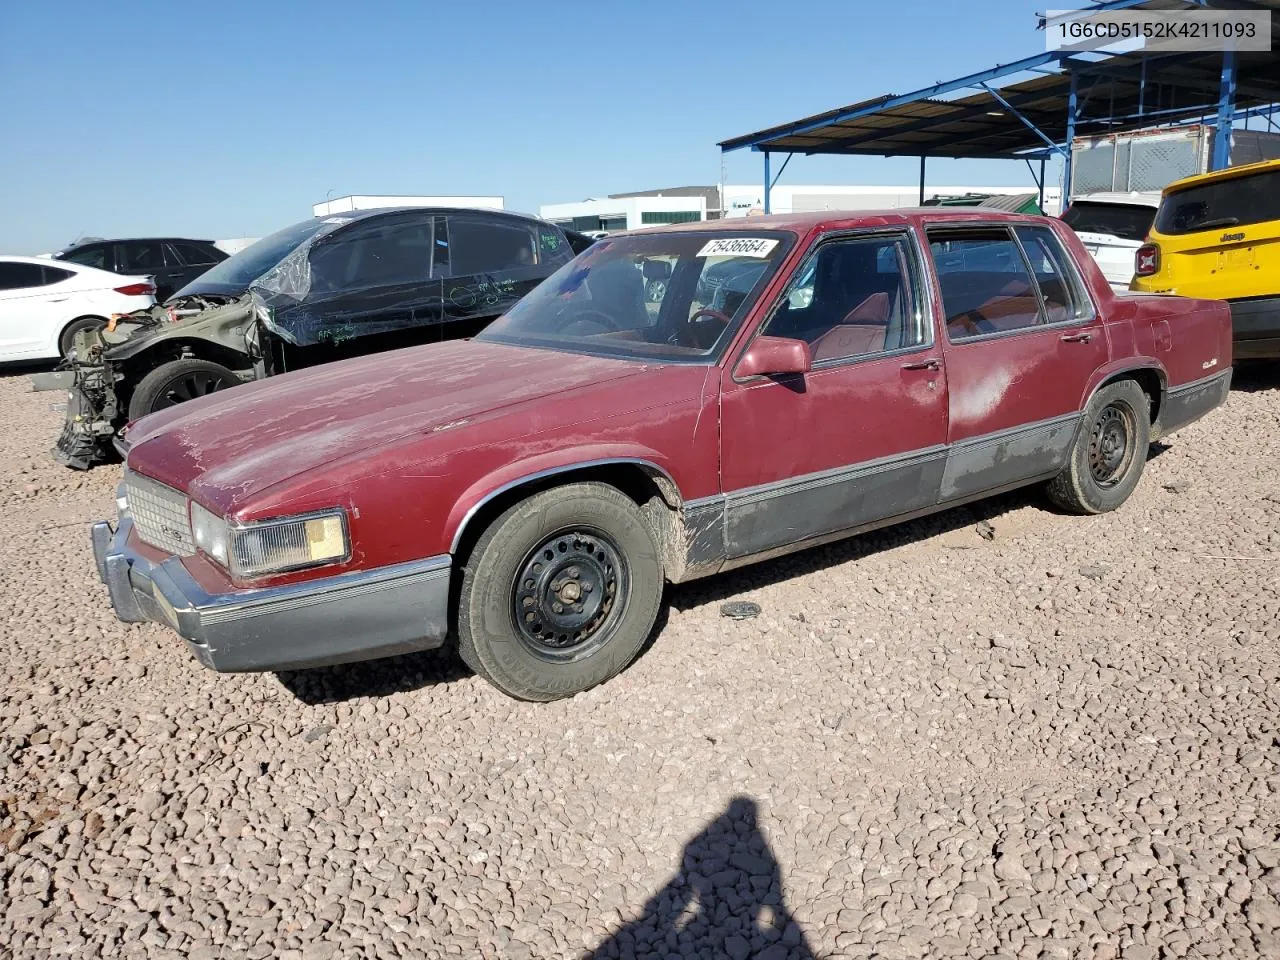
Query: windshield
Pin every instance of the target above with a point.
(232, 276)
(1235, 202)
(660, 296)
(1127, 221)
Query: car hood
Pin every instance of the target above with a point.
(229, 446)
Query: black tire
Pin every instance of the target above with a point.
(1109, 453)
(67, 340)
(599, 546)
(177, 382)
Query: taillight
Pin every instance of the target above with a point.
(1147, 260)
(136, 289)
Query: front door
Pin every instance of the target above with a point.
(1022, 340)
(862, 437)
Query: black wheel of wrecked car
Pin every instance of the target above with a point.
(177, 382)
(560, 592)
(68, 338)
(1110, 451)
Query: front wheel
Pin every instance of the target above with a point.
(560, 592)
(177, 382)
(1109, 453)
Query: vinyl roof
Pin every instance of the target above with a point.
(1111, 91)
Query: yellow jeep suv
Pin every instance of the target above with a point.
(1217, 235)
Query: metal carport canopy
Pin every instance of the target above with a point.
(1067, 95)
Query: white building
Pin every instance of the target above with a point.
(364, 202)
(629, 211)
(625, 212)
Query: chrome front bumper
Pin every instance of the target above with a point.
(340, 619)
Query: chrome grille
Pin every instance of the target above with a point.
(159, 514)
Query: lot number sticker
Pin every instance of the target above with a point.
(738, 247)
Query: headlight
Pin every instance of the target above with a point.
(272, 546)
(275, 546)
(210, 533)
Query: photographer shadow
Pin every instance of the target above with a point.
(725, 902)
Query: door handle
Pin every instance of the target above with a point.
(1077, 337)
(930, 364)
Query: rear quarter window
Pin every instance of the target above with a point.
(1237, 202)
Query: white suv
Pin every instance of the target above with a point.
(1112, 226)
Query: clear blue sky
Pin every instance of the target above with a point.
(230, 118)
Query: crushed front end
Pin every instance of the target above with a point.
(92, 409)
(106, 365)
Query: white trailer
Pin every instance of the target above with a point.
(1144, 160)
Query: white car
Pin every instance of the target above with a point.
(45, 303)
(1112, 226)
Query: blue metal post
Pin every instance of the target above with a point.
(1040, 184)
(1071, 135)
(922, 180)
(768, 184)
(1142, 87)
(1226, 111)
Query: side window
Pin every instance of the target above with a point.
(16, 276)
(54, 275)
(1063, 297)
(486, 246)
(853, 298)
(142, 257)
(90, 257)
(984, 280)
(440, 249)
(374, 253)
(553, 247)
(193, 255)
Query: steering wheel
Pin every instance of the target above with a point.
(589, 317)
(690, 329)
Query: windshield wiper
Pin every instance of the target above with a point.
(1220, 222)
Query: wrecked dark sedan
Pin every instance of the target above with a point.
(325, 289)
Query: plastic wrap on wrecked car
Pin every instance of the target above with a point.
(291, 277)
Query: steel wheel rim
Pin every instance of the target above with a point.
(1111, 445)
(568, 593)
(188, 386)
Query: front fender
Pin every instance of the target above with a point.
(536, 468)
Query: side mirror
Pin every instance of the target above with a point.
(775, 357)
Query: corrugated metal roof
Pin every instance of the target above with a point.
(1111, 91)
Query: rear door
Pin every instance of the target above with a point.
(1023, 338)
(192, 259)
(150, 258)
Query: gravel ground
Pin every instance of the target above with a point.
(998, 732)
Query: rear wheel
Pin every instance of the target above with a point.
(68, 338)
(560, 592)
(177, 382)
(1109, 453)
